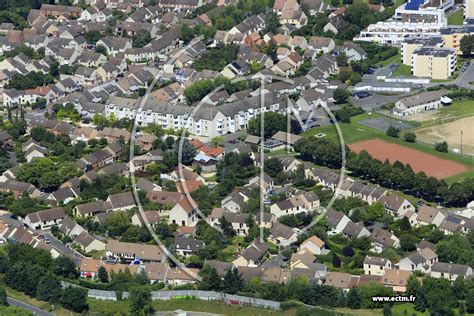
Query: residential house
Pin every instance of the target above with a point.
(396, 205)
(45, 219)
(382, 239)
(376, 265)
(91, 208)
(121, 201)
(147, 217)
(302, 203)
(185, 246)
(396, 279)
(313, 244)
(355, 230)
(450, 271)
(183, 214)
(282, 235)
(252, 256)
(89, 243)
(238, 221)
(428, 215)
(132, 252)
(340, 280)
(337, 221)
(422, 261)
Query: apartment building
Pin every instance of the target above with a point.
(416, 18)
(468, 9)
(207, 120)
(429, 11)
(452, 36)
(411, 44)
(395, 32)
(435, 63)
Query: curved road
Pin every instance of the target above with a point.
(34, 310)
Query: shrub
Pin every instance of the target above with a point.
(409, 137)
(393, 132)
(442, 147)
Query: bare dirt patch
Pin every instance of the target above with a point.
(419, 161)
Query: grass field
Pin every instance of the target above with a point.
(457, 110)
(355, 132)
(457, 18)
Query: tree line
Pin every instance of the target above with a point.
(429, 293)
(35, 273)
(393, 176)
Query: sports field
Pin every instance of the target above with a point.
(451, 132)
(419, 161)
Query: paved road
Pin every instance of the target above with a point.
(34, 310)
(55, 243)
(465, 77)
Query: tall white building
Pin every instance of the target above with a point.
(468, 9)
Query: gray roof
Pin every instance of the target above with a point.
(186, 243)
(422, 98)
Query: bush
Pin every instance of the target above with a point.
(393, 132)
(442, 147)
(409, 137)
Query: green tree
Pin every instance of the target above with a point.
(65, 267)
(141, 39)
(375, 211)
(140, 301)
(273, 122)
(186, 34)
(117, 223)
(3, 297)
(198, 90)
(49, 288)
(442, 147)
(74, 299)
(92, 36)
(273, 167)
(101, 49)
(210, 279)
(340, 95)
(467, 44)
(409, 137)
(354, 298)
(233, 281)
(393, 132)
(187, 151)
(470, 301)
(103, 275)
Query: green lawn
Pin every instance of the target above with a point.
(355, 132)
(457, 18)
(394, 59)
(457, 109)
(402, 70)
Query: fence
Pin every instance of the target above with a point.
(184, 294)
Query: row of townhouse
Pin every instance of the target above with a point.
(424, 260)
(156, 272)
(207, 120)
(26, 236)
